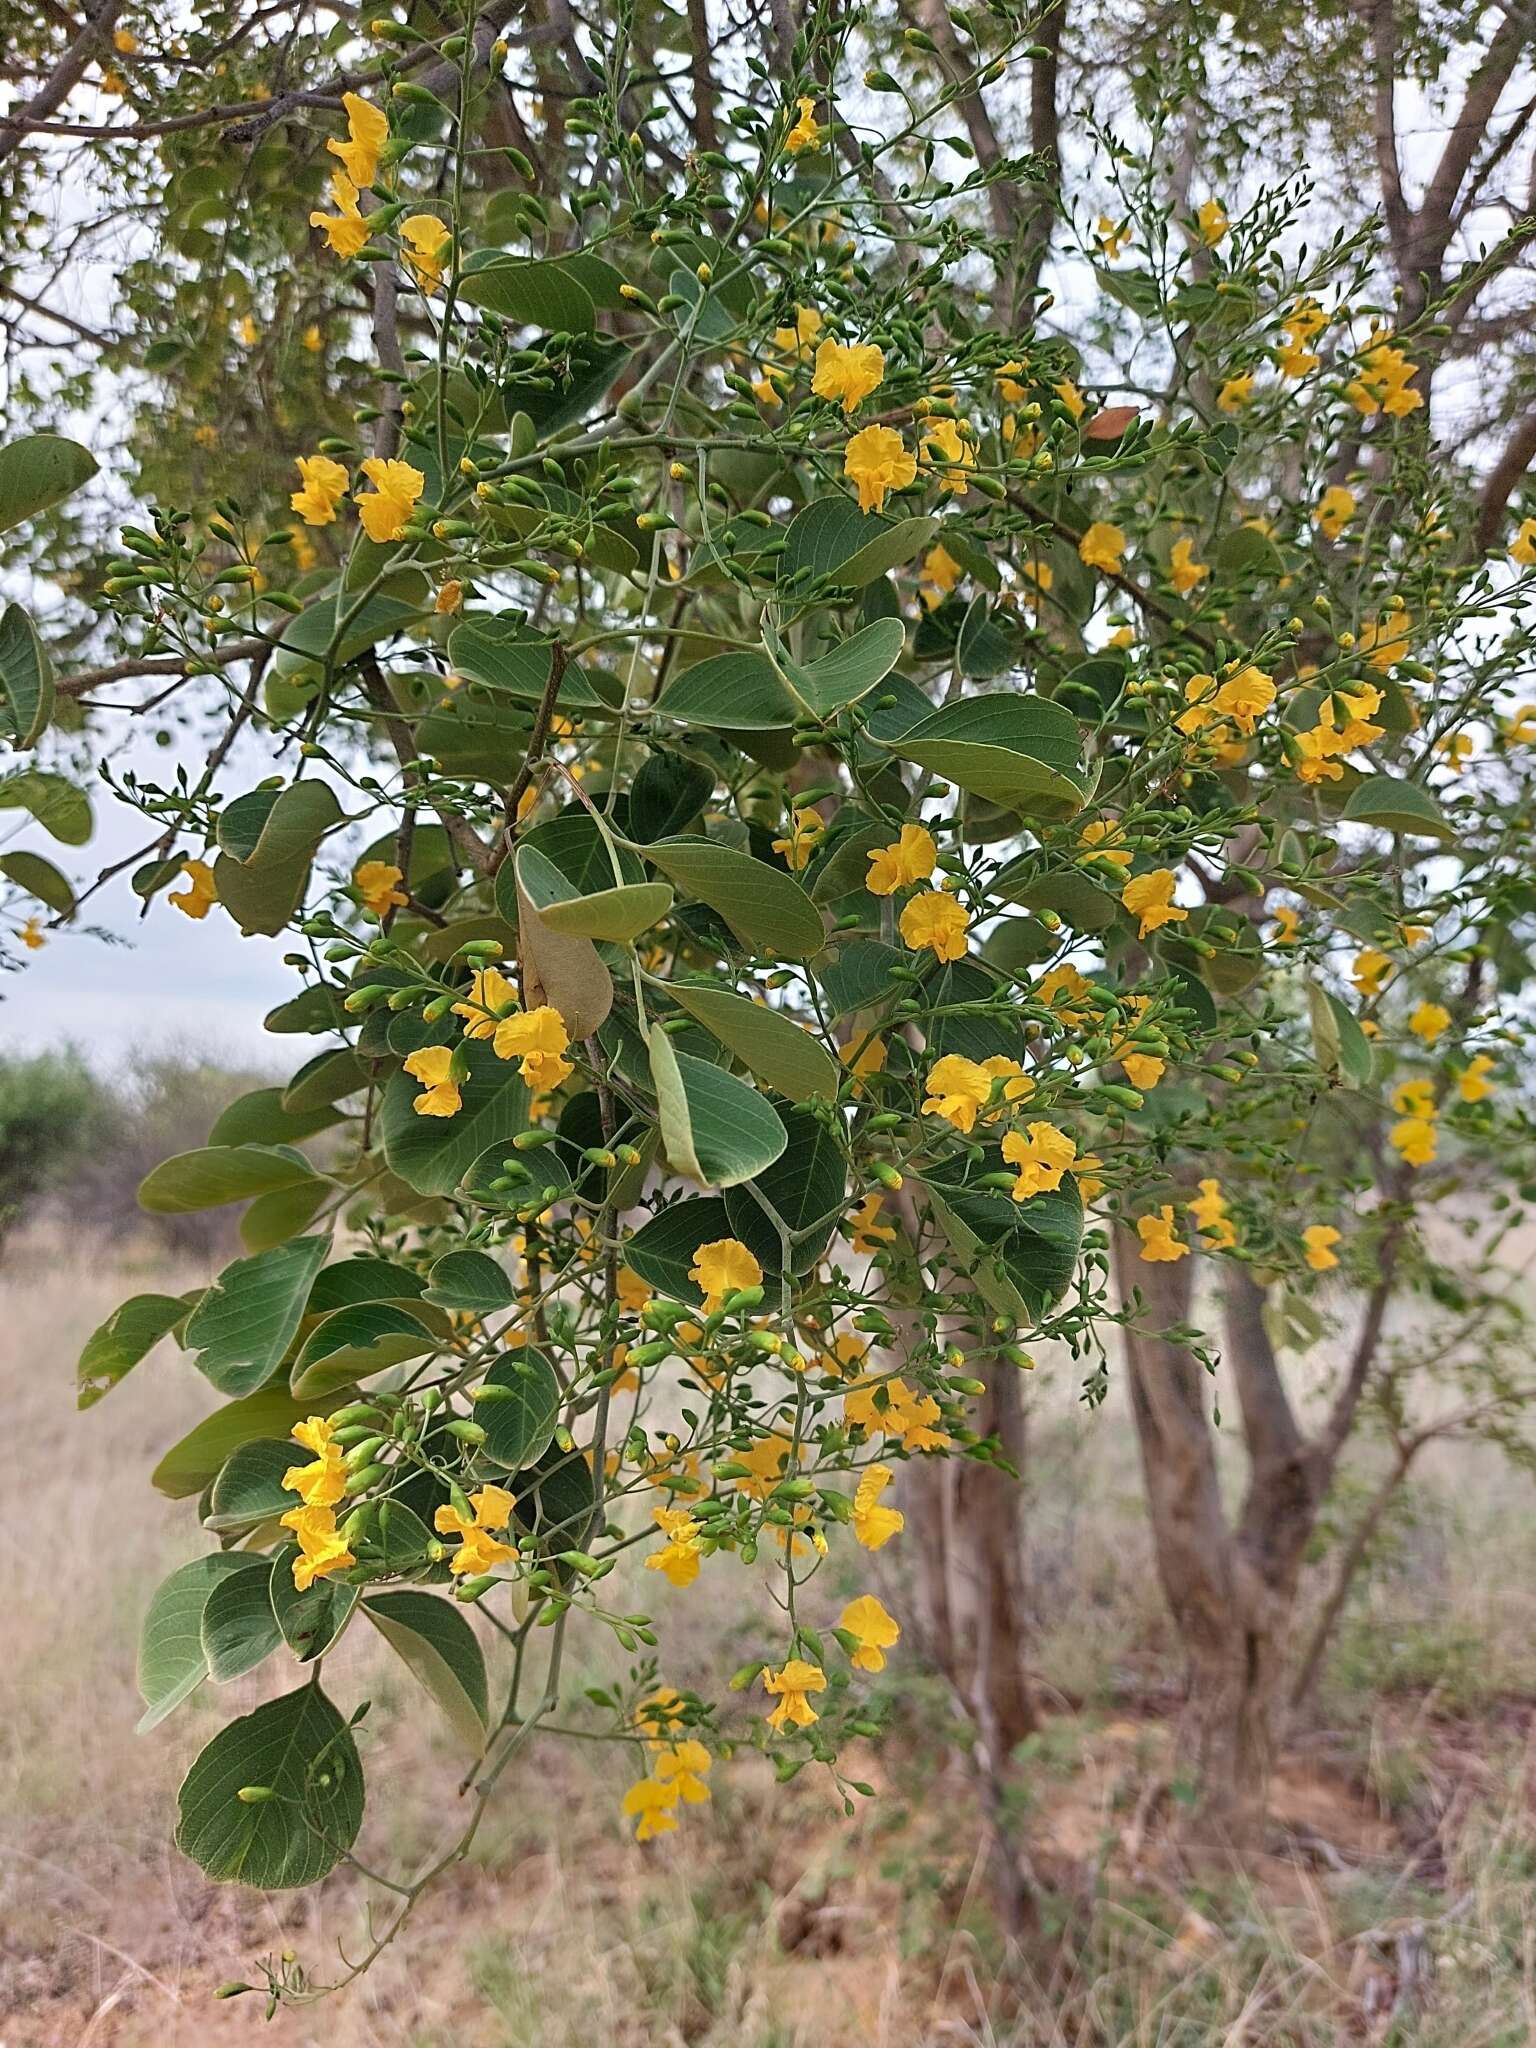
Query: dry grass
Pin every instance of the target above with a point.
(1397, 1907)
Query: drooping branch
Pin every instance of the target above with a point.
(63, 78)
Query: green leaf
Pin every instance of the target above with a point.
(262, 1117)
(714, 1129)
(849, 671)
(272, 1219)
(858, 975)
(243, 1325)
(40, 878)
(307, 639)
(520, 1424)
(354, 1343)
(38, 472)
(249, 1490)
(1392, 805)
(807, 1186)
(506, 654)
(1020, 1255)
(217, 1174)
(433, 1154)
(470, 1281)
(440, 1648)
(26, 678)
(769, 1044)
(363, 1279)
(617, 914)
(763, 905)
(1078, 900)
(328, 1078)
(130, 1333)
(312, 1620)
(262, 888)
(662, 1250)
(1339, 1044)
(171, 1661)
(239, 1629)
(565, 972)
(63, 811)
(1021, 752)
(298, 1748)
(667, 793)
(834, 539)
(189, 1466)
(542, 295)
(740, 691)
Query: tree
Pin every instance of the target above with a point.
(791, 780)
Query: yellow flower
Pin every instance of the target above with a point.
(891, 1407)
(1009, 389)
(792, 1687)
(378, 885)
(323, 1483)
(248, 332)
(1159, 1245)
(864, 1231)
(649, 1804)
(1042, 1155)
(805, 829)
(1235, 393)
(805, 134)
(874, 1525)
(864, 1055)
(797, 339)
(1414, 1137)
(200, 894)
(396, 487)
(950, 453)
(1101, 837)
(1183, 569)
(876, 1631)
(906, 861)
(1209, 1210)
(940, 572)
(936, 921)
(322, 1548)
(765, 390)
(1149, 897)
(678, 1557)
(450, 597)
(1069, 982)
(426, 237)
(1287, 924)
(1521, 726)
(313, 339)
(323, 486)
(1112, 236)
(683, 1767)
(1017, 1085)
(345, 230)
(431, 1066)
(478, 1551)
(848, 373)
(1386, 643)
(957, 1088)
(1305, 321)
(1429, 1022)
(1470, 1084)
(490, 995)
(1334, 510)
(1102, 546)
(1371, 971)
(1211, 219)
(367, 130)
(1319, 1239)
(31, 935)
(1456, 749)
(1383, 381)
(1245, 697)
(537, 1039)
(722, 1268)
(876, 462)
(125, 42)
(1071, 397)
(1523, 547)
(633, 1292)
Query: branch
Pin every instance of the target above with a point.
(1502, 480)
(1436, 217)
(62, 80)
(163, 665)
(63, 320)
(1341, 1416)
